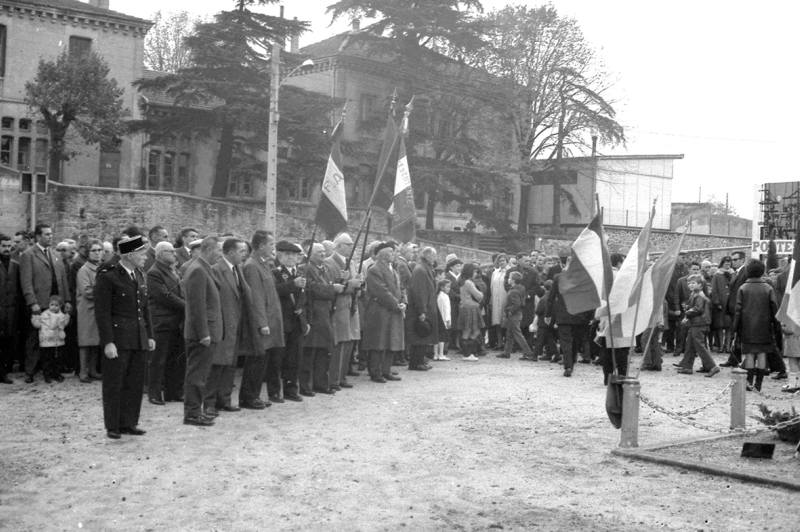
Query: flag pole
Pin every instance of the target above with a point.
(353, 303)
(381, 172)
(639, 297)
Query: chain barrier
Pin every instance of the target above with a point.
(786, 397)
(649, 402)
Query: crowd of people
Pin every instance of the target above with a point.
(176, 319)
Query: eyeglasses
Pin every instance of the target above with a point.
(95, 251)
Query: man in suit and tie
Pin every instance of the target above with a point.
(167, 365)
(321, 292)
(182, 251)
(346, 324)
(42, 274)
(262, 340)
(289, 285)
(123, 321)
(235, 302)
(202, 329)
(739, 278)
(9, 284)
(155, 235)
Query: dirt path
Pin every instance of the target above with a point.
(494, 445)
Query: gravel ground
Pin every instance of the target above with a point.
(492, 445)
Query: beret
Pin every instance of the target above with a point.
(287, 246)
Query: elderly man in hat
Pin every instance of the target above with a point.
(384, 309)
(422, 311)
(122, 314)
(321, 291)
(194, 252)
(167, 365)
(290, 284)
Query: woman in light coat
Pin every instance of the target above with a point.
(498, 297)
(88, 335)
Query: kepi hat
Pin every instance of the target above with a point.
(129, 245)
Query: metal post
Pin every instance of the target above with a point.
(738, 399)
(272, 147)
(629, 433)
(33, 204)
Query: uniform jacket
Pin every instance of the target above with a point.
(9, 285)
(51, 328)
(346, 325)
(36, 277)
(265, 310)
(754, 318)
(422, 300)
(320, 295)
(292, 299)
(383, 320)
(85, 282)
(556, 309)
(203, 310)
(121, 309)
(234, 303)
(167, 301)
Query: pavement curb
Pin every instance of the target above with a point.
(647, 454)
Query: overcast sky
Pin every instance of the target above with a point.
(711, 80)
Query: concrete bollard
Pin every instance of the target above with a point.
(629, 433)
(739, 399)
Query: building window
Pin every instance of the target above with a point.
(233, 186)
(24, 154)
(2, 51)
(367, 106)
(169, 171)
(247, 188)
(41, 128)
(24, 124)
(8, 123)
(305, 188)
(183, 172)
(79, 46)
(153, 163)
(41, 154)
(6, 148)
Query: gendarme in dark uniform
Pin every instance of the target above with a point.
(126, 334)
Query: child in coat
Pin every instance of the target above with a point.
(515, 302)
(51, 324)
(545, 334)
(443, 302)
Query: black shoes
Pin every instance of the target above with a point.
(256, 404)
(503, 355)
(380, 379)
(155, 401)
(293, 397)
(228, 408)
(59, 378)
(391, 378)
(352, 373)
(198, 421)
(780, 376)
(5, 380)
(307, 393)
(568, 372)
(345, 385)
(29, 379)
(133, 431)
(326, 391)
(113, 434)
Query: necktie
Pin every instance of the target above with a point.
(236, 276)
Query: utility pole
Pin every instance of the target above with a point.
(272, 146)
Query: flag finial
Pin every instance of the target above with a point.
(409, 108)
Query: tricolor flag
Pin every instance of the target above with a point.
(404, 212)
(586, 281)
(384, 191)
(332, 209)
(655, 283)
(624, 298)
(789, 313)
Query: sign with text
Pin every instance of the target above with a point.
(784, 247)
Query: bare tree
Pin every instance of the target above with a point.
(164, 50)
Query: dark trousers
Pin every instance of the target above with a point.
(775, 363)
(70, 360)
(123, 380)
(166, 367)
(292, 356)
(514, 334)
(380, 363)
(252, 377)
(681, 334)
(32, 352)
(272, 371)
(571, 338)
(314, 368)
(545, 336)
(619, 358)
(50, 364)
(7, 354)
(340, 363)
(696, 346)
(669, 335)
(653, 356)
(219, 386)
(198, 365)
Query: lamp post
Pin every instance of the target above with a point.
(272, 148)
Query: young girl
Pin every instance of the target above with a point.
(443, 302)
(51, 324)
(791, 351)
(470, 320)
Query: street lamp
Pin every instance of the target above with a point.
(272, 147)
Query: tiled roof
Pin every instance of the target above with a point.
(329, 46)
(76, 6)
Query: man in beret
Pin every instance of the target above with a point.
(321, 292)
(122, 314)
(384, 309)
(290, 285)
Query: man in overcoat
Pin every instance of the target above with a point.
(262, 338)
(167, 365)
(123, 321)
(346, 326)
(384, 316)
(236, 304)
(422, 307)
(321, 291)
(290, 285)
(9, 284)
(202, 329)
(42, 274)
